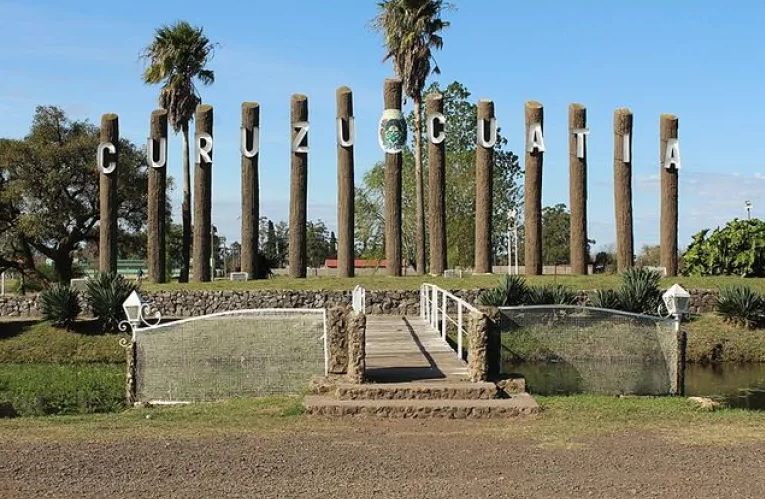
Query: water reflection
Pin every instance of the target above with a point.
(738, 385)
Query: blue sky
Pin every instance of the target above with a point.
(699, 60)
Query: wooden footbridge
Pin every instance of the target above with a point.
(413, 371)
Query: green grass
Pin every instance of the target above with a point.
(42, 389)
(565, 421)
(36, 342)
(383, 282)
(710, 339)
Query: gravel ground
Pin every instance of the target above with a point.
(388, 459)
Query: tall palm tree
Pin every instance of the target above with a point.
(177, 57)
(411, 29)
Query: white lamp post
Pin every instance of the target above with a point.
(678, 301)
(132, 307)
(512, 242)
(748, 205)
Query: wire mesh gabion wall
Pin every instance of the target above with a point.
(243, 353)
(574, 349)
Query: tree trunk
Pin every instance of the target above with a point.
(484, 179)
(186, 208)
(669, 126)
(157, 200)
(419, 187)
(392, 97)
(625, 249)
(345, 186)
(437, 190)
(298, 192)
(533, 194)
(577, 120)
(108, 197)
(203, 198)
(250, 190)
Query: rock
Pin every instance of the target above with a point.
(705, 403)
(7, 410)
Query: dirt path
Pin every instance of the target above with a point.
(390, 459)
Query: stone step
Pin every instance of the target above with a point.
(521, 404)
(445, 390)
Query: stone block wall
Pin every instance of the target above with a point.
(181, 303)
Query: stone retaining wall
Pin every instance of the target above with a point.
(194, 303)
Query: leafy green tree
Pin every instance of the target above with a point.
(556, 226)
(49, 194)
(736, 249)
(650, 256)
(411, 29)
(461, 126)
(317, 243)
(176, 58)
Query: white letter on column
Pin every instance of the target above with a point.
(440, 118)
(535, 139)
(106, 146)
(162, 161)
(302, 127)
(250, 153)
(580, 134)
(672, 157)
(626, 149)
(492, 133)
(204, 152)
(341, 140)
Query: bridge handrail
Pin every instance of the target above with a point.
(438, 316)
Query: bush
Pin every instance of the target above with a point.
(605, 298)
(60, 304)
(511, 291)
(106, 294)
(736, 249)
(552, 294)
(640, 292)
(740, 305)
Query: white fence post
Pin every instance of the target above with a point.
(434, 308)
(459, 330)
(443, 317)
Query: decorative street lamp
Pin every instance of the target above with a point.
(748, 205)
(135, 311)
(677, 300)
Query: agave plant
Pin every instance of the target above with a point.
(740, 305)
(60, 304)
(605, 298)
(106, 294)
(552, 294)
(640, 292)
(511, 291)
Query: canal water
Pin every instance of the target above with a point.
(737, 385)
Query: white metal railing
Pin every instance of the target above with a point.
(359, 299)
(439, 307)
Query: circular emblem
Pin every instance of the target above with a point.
(392, 131)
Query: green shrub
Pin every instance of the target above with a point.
(60, 304)
(740, 305)
(640, 292)
(43, 389)
(736, 249)
(605, 298)
(511, 291)
(552, 294)
(106, 294)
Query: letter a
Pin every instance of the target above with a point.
(672, 156)
(535, 139)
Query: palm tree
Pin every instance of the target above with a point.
(176, 58)
(411, 29)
